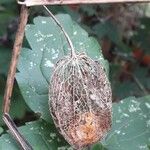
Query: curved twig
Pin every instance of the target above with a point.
(63, 30)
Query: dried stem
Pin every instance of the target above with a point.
(61, 27)
(64, 2)
(14, 60)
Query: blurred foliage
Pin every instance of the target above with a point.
(5, 56)
(123, 31)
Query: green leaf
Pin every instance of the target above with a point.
(48, 45)
(131, 125)
(39, 134)
(142, 34)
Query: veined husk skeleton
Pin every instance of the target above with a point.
(80, 98)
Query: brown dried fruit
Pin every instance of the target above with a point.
(80, 100)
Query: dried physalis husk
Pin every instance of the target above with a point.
(80, 100)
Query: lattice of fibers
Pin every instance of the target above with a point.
(80, 100)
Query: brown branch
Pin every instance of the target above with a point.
(63, 2)
(24, 145)
(14, 60)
